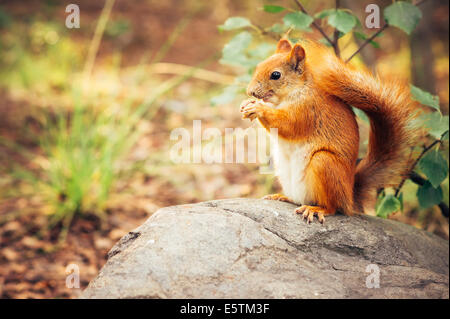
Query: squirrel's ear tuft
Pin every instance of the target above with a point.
(283, 46)
(297, 57)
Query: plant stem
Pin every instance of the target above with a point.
(95, 42)
(336, 35)
(262, 31)
(424, 151)
(362, 46)
(315, 25)
(384, 27)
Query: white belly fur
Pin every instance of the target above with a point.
(290, 163)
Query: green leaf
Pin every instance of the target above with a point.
(362, 36)
(425, 98)
(342, 20)
(388, 205)
(403, 15)
(435, 167)
(273, 9)
(233, 52)
(436, 123)
(324, 13)
(298, 20)
(429, 196)
(278, 28)
(235, 23)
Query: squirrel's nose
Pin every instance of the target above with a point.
(254, 89)
(253, 93)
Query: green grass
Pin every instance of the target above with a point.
(83, 156)
(84, 145)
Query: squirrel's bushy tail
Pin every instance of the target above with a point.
(389, 107)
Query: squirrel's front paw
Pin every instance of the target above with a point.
(251, 109)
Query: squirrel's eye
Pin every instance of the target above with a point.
(275, 75)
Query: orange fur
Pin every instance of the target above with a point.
(309, 105)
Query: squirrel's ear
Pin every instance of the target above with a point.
(283, 46)
(297, 57)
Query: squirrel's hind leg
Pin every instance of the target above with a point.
(329, 182)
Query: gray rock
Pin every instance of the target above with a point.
(245, 248)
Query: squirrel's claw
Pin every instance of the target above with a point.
(308, 213)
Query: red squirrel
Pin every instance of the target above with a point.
(305, 91)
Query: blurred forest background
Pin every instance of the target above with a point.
(86, 116)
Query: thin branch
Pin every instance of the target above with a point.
(416, 178)
(262, 31)
(315, 25)
(95, 42)
(444, 209)
(368, 40)
(181, 69)
(336, 35)
(416, 3)
(424, 151)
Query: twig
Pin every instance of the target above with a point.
(424, 151)
(367, 42)
(444, 209)
(181, 69)
(262, 31)
(95, 43)
(417, 3)
(315, 25)
(336, 35)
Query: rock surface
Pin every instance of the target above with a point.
(244, 248)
